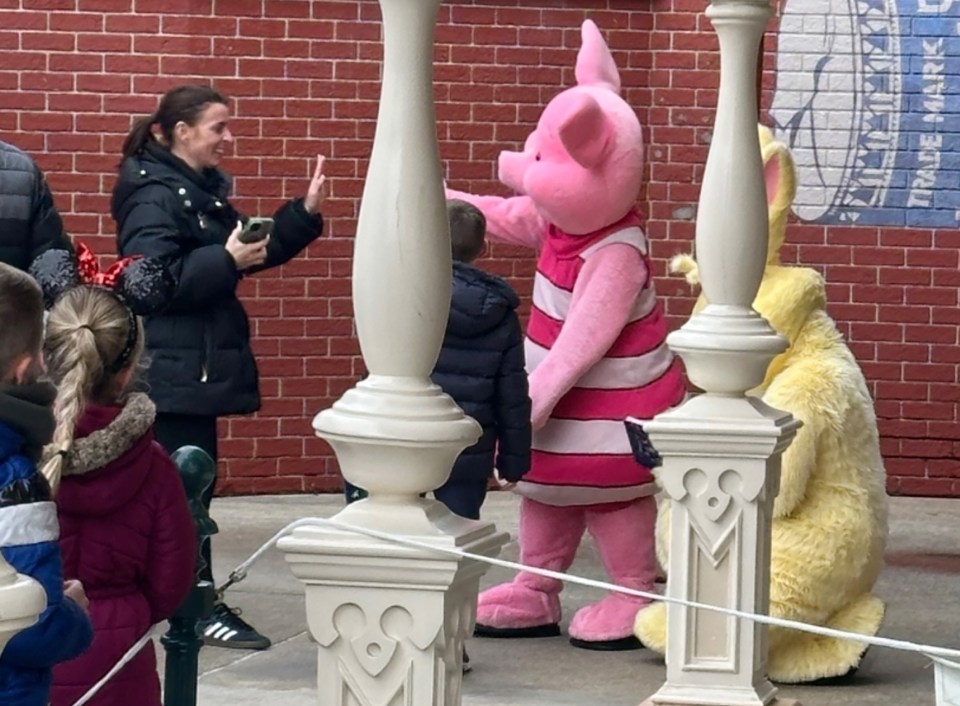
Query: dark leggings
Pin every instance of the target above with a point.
(176, 430)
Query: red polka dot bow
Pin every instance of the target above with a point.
(89, 268)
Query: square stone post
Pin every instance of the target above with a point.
(21, 601)
(390, 620)
(722, 449)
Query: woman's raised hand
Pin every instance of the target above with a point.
(316, 192)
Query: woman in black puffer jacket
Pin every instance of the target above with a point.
(171, 202)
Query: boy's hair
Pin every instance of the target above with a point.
(21, 317)
(87, 331)
(468, 227)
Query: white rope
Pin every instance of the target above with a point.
(905, 645)
(124, 661)
(240, 573)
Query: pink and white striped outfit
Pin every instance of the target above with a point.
(582, 455)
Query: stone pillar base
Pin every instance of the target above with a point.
(389, 619)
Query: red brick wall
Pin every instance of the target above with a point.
(304, 77)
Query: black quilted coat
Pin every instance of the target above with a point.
(481, 366)
(29, 222)
(201, 361)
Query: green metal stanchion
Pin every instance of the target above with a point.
(182, 643)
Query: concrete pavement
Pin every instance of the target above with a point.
(921, 585)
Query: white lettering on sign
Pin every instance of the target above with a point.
(921, 190)
(933, 80)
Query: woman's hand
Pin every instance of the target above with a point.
(316, 192)
(246, 255)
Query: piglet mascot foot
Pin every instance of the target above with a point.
(595, 351)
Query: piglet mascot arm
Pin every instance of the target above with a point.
(513, 220)
(603, 298)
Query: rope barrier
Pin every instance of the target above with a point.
(124, 661)
(905, 645)
(948, 670)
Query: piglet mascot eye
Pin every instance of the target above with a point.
(596, 354)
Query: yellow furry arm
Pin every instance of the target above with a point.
(806, 390)
(798, 465)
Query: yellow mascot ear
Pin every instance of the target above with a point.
(781, 178)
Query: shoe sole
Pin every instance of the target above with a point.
(622, 644)
(551, 630)
(236, 644)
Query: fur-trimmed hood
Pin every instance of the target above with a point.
(109, 458)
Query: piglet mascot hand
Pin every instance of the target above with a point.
(595, 353)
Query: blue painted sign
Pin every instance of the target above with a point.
(868, 98)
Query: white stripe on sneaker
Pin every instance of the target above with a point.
(228, 636)
(218, 635)
(211, 628)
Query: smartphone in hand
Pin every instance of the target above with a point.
(255, 230)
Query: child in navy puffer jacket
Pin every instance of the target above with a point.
(28, 517)
(481, 366)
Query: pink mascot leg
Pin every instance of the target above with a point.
(529, 606)
(625, 539)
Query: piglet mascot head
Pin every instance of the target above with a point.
(583, 165)
(595, 353)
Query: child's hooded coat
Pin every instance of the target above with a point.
(127, 534)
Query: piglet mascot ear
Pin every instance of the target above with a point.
(595, 351)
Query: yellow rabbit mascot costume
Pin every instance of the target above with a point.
(830, 518)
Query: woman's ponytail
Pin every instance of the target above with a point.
(139, 136)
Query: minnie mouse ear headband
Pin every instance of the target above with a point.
(143, 285)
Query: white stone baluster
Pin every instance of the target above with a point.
(722, 449)
(390, 620)
(21, 601)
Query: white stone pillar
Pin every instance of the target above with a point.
(722, 450)
(21, 601)
(390, 620)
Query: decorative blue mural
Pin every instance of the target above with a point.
(868, 97)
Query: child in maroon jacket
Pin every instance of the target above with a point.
(126, 530)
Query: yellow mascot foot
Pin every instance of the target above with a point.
(797, 657)
(650, 627)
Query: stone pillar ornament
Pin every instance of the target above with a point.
(390, 620)
(21, 601)
(721, 450)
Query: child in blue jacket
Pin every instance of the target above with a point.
(481, 366)
(28, 516)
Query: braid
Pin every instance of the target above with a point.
(87, 326)
(80, 367)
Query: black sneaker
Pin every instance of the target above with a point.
(225, 628)
(466, 662)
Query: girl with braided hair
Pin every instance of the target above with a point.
(126, 530)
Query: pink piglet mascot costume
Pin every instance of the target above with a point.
(595, 352)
